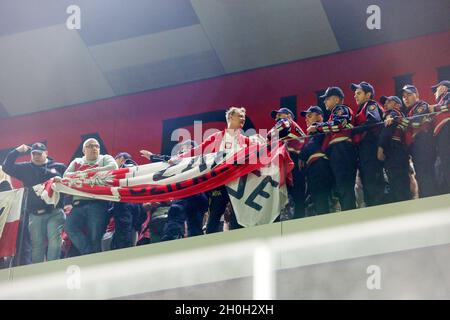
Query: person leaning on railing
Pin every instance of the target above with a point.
(365, 137)
(319, 176)
(441, 129)
(420, 142)
(392, 149)
(228, 141)
(287, 128)
(87, 213)
(338, 145)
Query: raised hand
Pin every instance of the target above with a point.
(146, 154)
(23, 148)
(311, 129)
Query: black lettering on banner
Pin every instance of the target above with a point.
(239, 193)
(208, 175)
(225, 169)
(214, 173)
(160, 174)
(154, 190)
(202, 166)
(218, 158)
(257, 173)
(259, 191)
(200, 179)
(190, 164)
(179, 186)
(137, 192)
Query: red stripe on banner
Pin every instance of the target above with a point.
(221, 175)
(243, 162)
(226, 174)
(98, 190)
(8, 239)
(247, 160)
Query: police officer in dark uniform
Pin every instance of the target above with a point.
(392, 149)
(319, 176)
(366, 138)
(338, 145)
(419, 138)
(441, 130)
(297, 191)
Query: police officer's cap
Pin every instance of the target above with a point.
(409, 88)
(396, 99)
(442, 83)
(333, 91)
(274, 113)
(364, 86)
(312, 109)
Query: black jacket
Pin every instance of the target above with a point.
(31, 175)
(313, 145)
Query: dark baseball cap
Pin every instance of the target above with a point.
(442, 83)
(39, 147)
(312, 109)
(333, 91)
(409, 88)
(274, 113)
(396, 99)
(125, 155)
(364, 86)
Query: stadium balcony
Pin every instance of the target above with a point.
(393, 251)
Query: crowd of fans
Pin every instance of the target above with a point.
(392, 150)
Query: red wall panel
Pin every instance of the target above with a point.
(131, 122)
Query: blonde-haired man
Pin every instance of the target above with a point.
(228, 141)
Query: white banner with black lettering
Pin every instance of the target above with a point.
(255, 176)
(258, 198)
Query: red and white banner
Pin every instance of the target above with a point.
(10, 209)
(261, 195)
(258, 197)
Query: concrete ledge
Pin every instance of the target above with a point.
(230, 255)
